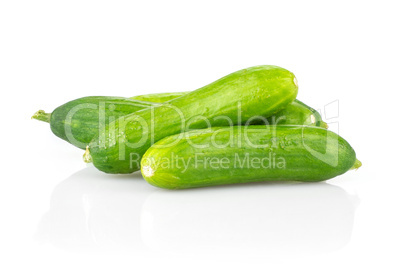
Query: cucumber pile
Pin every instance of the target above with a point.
(245, 127)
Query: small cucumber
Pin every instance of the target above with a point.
(239, 154)
(78, 121)
(233, 99)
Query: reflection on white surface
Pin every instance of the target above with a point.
(94, 211)
(293, 217)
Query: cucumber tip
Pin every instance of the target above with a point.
(357, 164)
(87, 156)
(41, 115)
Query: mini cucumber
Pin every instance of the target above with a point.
(239, 154)
(78, 121)
(233, 99)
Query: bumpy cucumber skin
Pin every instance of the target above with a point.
(290, 143)
(261, 90)
(77, 121)
(159, 97)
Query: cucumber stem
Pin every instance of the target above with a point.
(356, 165)
(87, 156)
(42, 116)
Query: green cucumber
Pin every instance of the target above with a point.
(80, 120)
(239, 154)
(233, 99)
(296, 113)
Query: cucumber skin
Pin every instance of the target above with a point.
(301, 165)
(85, 123)
(159, 97)
(296, 113)
(262, 90)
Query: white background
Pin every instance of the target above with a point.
(58, 212)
